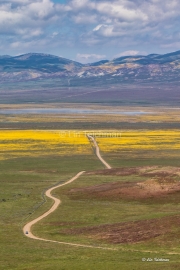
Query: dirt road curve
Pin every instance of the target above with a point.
(57, 202)
(27, 227)
(98, 152)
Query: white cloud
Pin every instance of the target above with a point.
(82, 18)
(175, 45)
(18, 17)
(128, 24)
(79, 4)
(117, 9)
(87, 58)
(138, 19)
(97, 27)
(127, 53)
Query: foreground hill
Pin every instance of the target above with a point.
(127, 69)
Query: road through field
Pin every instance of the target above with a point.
(27, 228)
(91, 138)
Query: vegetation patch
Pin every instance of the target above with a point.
(161, 182)
(142, 143)
(130, 232)
(23, 143)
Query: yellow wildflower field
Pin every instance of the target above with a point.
(130, 140)
(17, 143)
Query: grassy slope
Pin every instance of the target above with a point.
(18, 252)
(85, 210)
(117, 162)
(22, 183)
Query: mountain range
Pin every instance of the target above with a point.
(38, 67)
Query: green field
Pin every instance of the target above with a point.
(86, 215)
(23, 181)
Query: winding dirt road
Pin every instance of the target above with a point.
(98, 151)
(27, 228)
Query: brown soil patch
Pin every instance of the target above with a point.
(143, 171)
(129, 190)
(161, 182)
(129, 232)
(116, 171)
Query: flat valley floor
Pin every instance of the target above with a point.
(124, 217)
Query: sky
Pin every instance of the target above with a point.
(89, 30)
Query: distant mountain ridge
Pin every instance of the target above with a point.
(35, 61)
(125, 69)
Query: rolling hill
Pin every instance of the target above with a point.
(37, 67)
